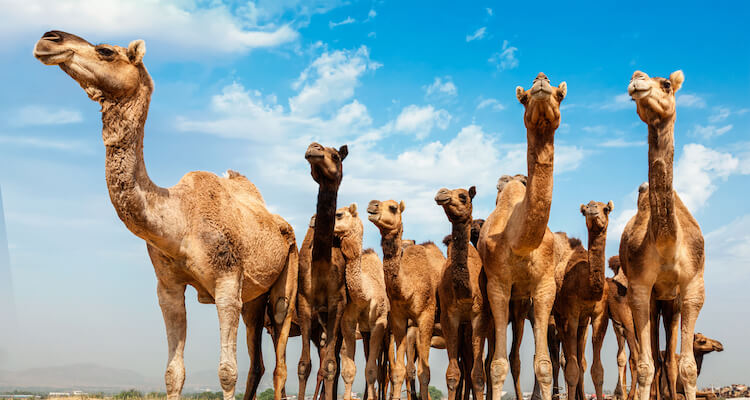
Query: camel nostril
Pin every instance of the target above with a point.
(52, 36)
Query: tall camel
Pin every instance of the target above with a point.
(581, 288)
(661, 250)
(412, 275)
(516, 247)
(322, 286)
(212, 233)
(461, 297)
(367, 306)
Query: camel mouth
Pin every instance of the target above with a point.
(638, 94)
(541, 91)
(639, 88)
(52, 57)
(373, 217)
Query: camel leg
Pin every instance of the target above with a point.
(570, 349)
(467, 358)
(518, 311)
(581, 348)
(252, 315)
(304, 367)
(398, 370)
(329, 363)
(283, 298)
(693, 295)
(348, 333)
(490, 356)
(478, 334)
(172, 303)
(375, 348)
(366, 348)
(543, 298)
(639, 298)
(411, 362)
(228, 306)
(449, 323)
(622, 362)
(424, 324)
(598, 332)
(498, 293)
(654, 315)
(553, 343)
(672, 331)
(630, 336)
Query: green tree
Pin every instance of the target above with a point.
(129, 394)
(435, 393)
(266, 395)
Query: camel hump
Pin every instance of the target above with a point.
(231, 174)
(287, 231)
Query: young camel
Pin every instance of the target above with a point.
(516, 247)
(702, 345)
(412, 275)
(619, 312)
(212, 233)
(581, 288)
(661, 249)
(367, 306)
(322, 286)
(461, 298)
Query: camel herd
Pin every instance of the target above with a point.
(217, 235)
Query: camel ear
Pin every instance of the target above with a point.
(610, 206)
(343, 152)
(676, 78)
(353, 209)
(402, 206)
(583, 210)
(472, 191)
(136, 51)
(562, 91)
(521, 95)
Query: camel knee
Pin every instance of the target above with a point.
(174, 377)
(498, 370)
(411, 371)
(371, 374)
(688, 371)
(227, 375)
(329, 370)
(543, 370)
(424, 375)
(280, 310)
(303, 369)
(348, 371)
(397, 374)
(645, 373)
(597, 374)
(452, 375)
(477, 376)
(622, 360)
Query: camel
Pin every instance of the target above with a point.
(515, 245)
(619, 312)
(461, 297)
(581, 287)
(367, 305)
(662, 248)
(212, 233)
(322, 285)
(412, 275)
(702, 345)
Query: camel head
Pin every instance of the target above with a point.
(476, 227)
(655, 97)
(326, 163)
(542, 103)
(456, 203)
(597, 215)
(347, 221)
(386, 215)
(104, 71)
(704, 345)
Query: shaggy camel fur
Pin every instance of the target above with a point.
(367, 304)
(461, 298)
(412, 275)
(661, 249)
(322, 286)
(212, 233)
(516, 247)
(581, 283)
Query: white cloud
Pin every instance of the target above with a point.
(371, 35)
(45, 143)
(719, 114)
(506, 58)
(330, 80)
(620, 142)
(690, 100)
(697, 171)
(489, 11)
(44, 115)
(619, 102)
(492, 104)
(728, 249)
(208, 27)
(477, 35)
(441, 88)
(595, 129)
(421, 120)
(710, 131)
(347, 21)
(372, 14)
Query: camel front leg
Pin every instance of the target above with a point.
(622, 363)
(639, 298)
(569, 326)
(329, 363)
(172, 303)
(519, 309)
(543, 298)
(348, 334)
(377, 336)
(693, 295)
(252, 315)
(283, 298)
(478, 335)
(498, 294)
(599, 330)
(411, 363)
(228, 306)
(671, 316)
(398, 370)
(581, 348)
(449, 324)
(424, 324)
(304, 311)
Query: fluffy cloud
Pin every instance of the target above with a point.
(492, 104)
(330, 80)
(620, 143)
(477, 35)
(697, 172)
(44, 115)
(690, 100)
(347, 21)
(620, 102)
(204, 27)
(441, 88)
(505, 58)
(719, 114)
(710, 131)
(421, 120)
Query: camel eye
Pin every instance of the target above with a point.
(106, 52)
(393, 209)
(335, 157)
(339, 215)
(462, 197)
(666, 85)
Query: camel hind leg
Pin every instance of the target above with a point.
(253, 313)
(519, 309)
(543, 298)
(283, 297)
(228, 306)
(693, 295)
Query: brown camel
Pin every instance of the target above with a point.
(516, 247)
(661, 249)
(702, 345)
(461, 298)
(581, 283)
(618, 310)
(322, 285)
(212, 233)
(412, 275)
(367, 305)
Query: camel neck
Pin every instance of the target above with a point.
(392, 253)
(130, 189)
(698, 360)
(537, 201)
(324, 221)
(663, 221)
(351, 248)
(459, 258)
(597, 257)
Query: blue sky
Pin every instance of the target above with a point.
(423, 93)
